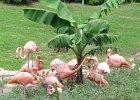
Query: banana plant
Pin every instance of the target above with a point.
(72, 35)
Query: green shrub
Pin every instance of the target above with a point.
(92, 2)
(18, 1)
(137, 0)
(95, 2)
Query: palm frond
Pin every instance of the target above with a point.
(105, 7)
(60, 41)
(102, 39)
(45, 17)
(96, 26)
(61, 10)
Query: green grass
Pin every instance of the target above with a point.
(16, 30)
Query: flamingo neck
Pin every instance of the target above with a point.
(20, 53)
(95, 65)
(37, 79)
(75, 70)
(42, 63)
(38, 58)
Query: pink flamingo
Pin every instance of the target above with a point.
(35, 63)
(25, 78)
(63, 70)
(116, 60)
(103, 68)
(51, 81)
(50, 78)
(29, 47)
(94, 74)
(72, 64)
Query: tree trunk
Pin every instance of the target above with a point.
(79, 78)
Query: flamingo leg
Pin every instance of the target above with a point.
(24, 93)
(117, 72)
(28, 62)
(100, 80)
(1, 85)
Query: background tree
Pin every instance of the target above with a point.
(72, 35)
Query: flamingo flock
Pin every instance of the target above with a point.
(59, 70)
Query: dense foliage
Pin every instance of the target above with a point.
(19, 1)
(96, 2)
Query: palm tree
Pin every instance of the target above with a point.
(73, 36)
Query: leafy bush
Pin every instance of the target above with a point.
(18, 1)
(137, 0)
(95, 2)
(92, 2)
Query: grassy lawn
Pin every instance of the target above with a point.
(16, 30)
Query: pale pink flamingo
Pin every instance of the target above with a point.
(116, 60)
(25, 78)
(63, 70)
(38, 63)
(103, 68)
(72, 63)
(29, 47)
(50, 78)
(94, 74)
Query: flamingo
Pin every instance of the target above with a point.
(116, 60)
(50, 78)
(35, 63)
(25, 78)
(63, 70)
(72, 63)
(51, 81)
(29, 47)
(57, 62)
(103, 68)
(95, 75)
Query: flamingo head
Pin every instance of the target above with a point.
(38, 57)
(17, 52)
(109, 52)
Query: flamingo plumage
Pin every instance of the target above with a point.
(29, 47)
(116, 60)
(95, 75)
(38, 63)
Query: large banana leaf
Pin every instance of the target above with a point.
(105, 7)
(102, 39)
(45, 17)
(61, 10)
(96, 26)
(60, 41)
